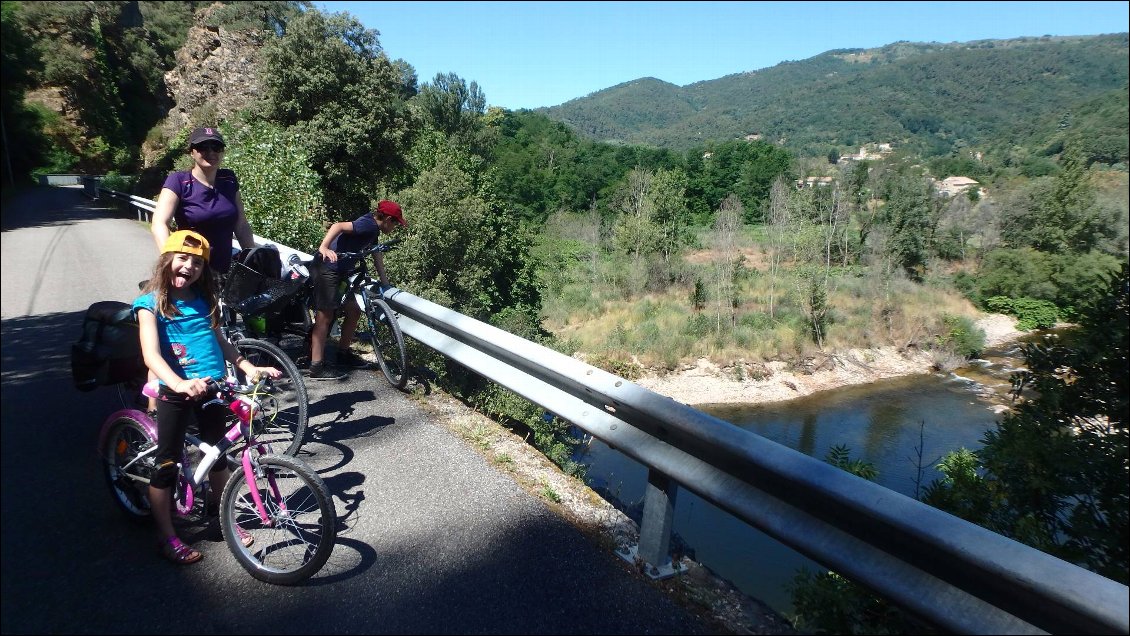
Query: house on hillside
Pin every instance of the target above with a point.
(811, 182)
(953, 185)
(753, 137)
(868, 152)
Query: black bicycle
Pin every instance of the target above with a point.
(287, 307)
(287, 427)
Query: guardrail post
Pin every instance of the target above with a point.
(90, 185)
(655, 528)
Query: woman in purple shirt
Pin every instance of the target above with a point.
(205, 200)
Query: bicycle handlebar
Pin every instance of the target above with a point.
(372, 249)
(379, 247)
(229, 388)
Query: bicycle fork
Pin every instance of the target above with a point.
(250, 471)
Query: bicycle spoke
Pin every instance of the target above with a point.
(298, 531)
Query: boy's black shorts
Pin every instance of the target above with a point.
(327, 292)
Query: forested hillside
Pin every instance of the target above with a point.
(931, 98)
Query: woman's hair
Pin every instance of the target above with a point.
(162, 279)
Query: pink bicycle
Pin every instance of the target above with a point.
(276, 499)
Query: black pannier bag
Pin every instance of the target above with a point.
(109, 351)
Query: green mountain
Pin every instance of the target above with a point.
(929, 97)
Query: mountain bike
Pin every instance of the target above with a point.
(294, 298)
(276, 514)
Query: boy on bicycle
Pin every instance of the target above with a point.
(329, 271)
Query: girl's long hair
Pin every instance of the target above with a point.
(162, 279)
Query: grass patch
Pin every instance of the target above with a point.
(549, 493)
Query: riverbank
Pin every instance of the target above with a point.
(707, 383)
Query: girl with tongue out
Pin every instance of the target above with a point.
(183, 348)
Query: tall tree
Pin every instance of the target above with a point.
(668, 193)
(109, 70)
(462, 251)
(910, 217)
(451, 105)
(780, 237)
(1059, 214)
(727, 224)
(328, 79)
(24, 147)
(271, 17)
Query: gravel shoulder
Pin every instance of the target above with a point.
(697, 588)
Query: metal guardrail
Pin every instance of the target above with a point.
(61, 179)
(950, 572)
(145, 208)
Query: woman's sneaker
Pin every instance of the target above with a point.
(322, 371)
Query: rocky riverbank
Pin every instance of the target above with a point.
(707, 383)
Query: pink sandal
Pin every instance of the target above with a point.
(177, 552)
(244, 537)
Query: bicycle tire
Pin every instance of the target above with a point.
(285, 423)
(387, 341)
(127, 439)
(301, 529)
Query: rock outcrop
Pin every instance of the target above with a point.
(216, 75)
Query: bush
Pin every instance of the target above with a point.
(698, 296)
(1017, 273)
(962, 336)
(281, 194)
(118, 183)
(1031, 313)
(699, 325)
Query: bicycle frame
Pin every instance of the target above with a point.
(245, 408)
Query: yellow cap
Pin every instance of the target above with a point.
(188, 242)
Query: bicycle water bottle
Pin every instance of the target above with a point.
(209, 458)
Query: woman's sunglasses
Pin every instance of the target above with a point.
(210, 147)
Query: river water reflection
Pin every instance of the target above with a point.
(882, 423)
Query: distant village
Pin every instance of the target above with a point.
(947, 187)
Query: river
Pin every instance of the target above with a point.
(885, 423)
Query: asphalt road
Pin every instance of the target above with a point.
(432, 539)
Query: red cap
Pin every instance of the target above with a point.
(391, 208)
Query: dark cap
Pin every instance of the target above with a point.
(391, 208)
(200, 135)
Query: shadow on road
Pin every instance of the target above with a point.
(57, 206)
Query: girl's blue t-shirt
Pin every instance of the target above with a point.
(187, 341)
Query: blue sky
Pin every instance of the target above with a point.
(533, 54)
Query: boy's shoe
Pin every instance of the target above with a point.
(349, 360)
(322, 371)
